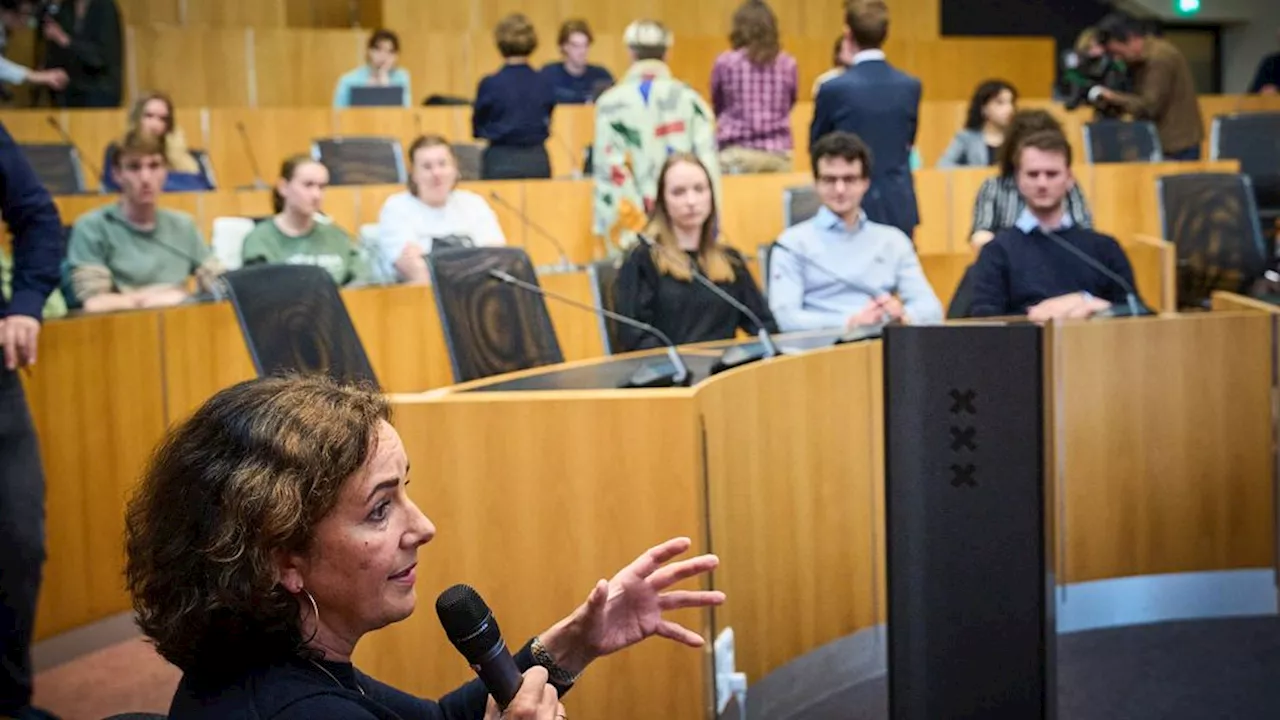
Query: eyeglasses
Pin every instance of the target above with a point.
(835, 180)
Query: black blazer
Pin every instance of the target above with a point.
(880, 104)
(95, 59)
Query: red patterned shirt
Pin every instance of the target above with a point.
(753, 102)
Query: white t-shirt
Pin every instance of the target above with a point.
(465, 217)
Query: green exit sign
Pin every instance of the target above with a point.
(1186, 7)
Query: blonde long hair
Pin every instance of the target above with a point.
(667, 256)
(175, 145)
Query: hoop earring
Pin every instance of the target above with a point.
(315, 612)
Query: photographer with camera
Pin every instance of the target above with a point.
(1164, 91)
(1087, 66)
(83, 37)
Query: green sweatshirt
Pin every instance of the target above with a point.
(326, 246)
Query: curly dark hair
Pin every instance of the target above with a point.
(245, 478)
(1024, 123)
(986, 92)
(755, 28)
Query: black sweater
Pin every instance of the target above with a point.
(686, 311)
(94, 60)
(1017, 270)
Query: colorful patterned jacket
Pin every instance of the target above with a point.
(647, 116)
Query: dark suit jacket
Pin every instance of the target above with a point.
(881, 105)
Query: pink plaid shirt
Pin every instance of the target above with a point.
(753, 103)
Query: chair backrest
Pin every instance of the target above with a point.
(293, 319)
(1111, 141)
(228, 240)
(206, 168)
(361, 160)
(490, 327)
(763, 254)
(1212, 220)
(57, 166)
(1251, 138)
(467, 156)
(799, 204)
(962, 300)
(604, 275)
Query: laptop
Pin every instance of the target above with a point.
(377, 96)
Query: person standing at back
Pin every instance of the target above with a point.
(575, 80)
(753, 88)
(513, 108)
(640, 122)
(881, 105)
(85, 38)
(1164, 91)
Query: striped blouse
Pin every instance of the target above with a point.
(999, 204)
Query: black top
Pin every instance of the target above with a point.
(298, 690)
(577, 89)
(686, 311)
(1268, 73)
(993, 152)
(94, 60)
(513, 107)
(1017, 270)
(25, 206)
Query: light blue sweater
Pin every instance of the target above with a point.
(360, 77)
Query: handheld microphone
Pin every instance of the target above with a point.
(563, 265)
(66, 138)
(473, 630)
(258, 183)
(735, 356)
(1133, 305)
(677, 375)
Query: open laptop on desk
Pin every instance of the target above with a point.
(377, 96)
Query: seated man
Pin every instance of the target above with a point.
(132, 254)
(1026, 268)
(838, 269)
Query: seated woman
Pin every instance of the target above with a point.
(294, 237)
(513, 108)
(990, 111)
(379, 71)
(999, 203)
(655, 284)
(153, 114)
(433, 213)
(294, 491)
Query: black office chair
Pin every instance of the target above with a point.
(206, 168)
(467, 155)
(962, 301)
(57, 167)
(604, 275)
(1212, 220)
(1113, 141)
(490, 327)
(763, 254)
(1253, 139)
(361, 160)
(293, 319)
(799, 204)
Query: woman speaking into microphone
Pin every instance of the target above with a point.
(273, 529)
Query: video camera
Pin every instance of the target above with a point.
(1082, 72)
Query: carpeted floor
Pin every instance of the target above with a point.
(126, 677)
(1225, 669)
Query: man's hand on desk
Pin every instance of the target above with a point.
(882, 309)
(19, 335)
(1075, 306)
(156, 296)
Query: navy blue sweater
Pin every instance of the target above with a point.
(1017, 270)
(37, 232)
(513, 107)
(577, 89)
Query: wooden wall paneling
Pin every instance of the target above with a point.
(572, 132)
(400, 329)
(32, 126)
(577, 330)
(98, 406)
(150, 12)
(1152, 486)
(93, 131)
(964, 191)
(1124, 198)
(801, 120)
(935, 234)
(938, 124)
(443, 16)
(440, 63)
(953, 67)
(232, 203)
(1154, 264)
(812, 415)
(370, 13)
(513, 192)
(324, 13)
(198, 67)
(563, 209)
(403, 125)
(620, 504)
(204, 352)
(300, 68)
(691, 60)
(370, 199)
(71, 207)
(454, 123)
(274, 134)
(752, 212)
(342, 205)
(945, 271)
(257, 14)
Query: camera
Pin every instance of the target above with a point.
(1082, 72)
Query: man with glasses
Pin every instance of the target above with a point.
(838, 269)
